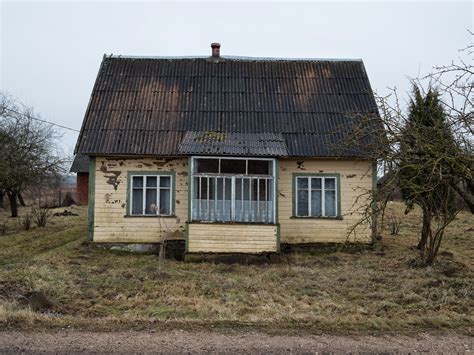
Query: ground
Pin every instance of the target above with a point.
(229, 342)
(347, 291)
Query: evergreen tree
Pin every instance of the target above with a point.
(427, 151)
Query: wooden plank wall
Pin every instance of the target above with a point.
(231, 238)
(356, 178)
(110, 223)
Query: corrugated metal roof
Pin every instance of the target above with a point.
(80, 164)
(231, 143)
(143, 106)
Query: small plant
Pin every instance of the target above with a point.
(165, 231)
(26, 221)
(41, 216)
(394, 224)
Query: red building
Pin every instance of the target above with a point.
(80, 166)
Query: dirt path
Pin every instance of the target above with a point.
(182, 341)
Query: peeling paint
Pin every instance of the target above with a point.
(300, 165)
(159, 163)
(112, 178)
(183, 173)
(350, 176)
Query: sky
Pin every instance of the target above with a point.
(51, 51)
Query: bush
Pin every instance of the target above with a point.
(25, 221)
(394, 224)
(41, 216)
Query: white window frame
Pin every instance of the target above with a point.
(158, 188)
(233, 176)
(323, 195)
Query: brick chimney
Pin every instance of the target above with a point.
(216, 50)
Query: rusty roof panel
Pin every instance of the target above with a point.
(231, 143)
(145, 106)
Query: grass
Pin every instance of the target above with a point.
(326, 292)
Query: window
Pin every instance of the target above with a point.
(150, 195)
(233, 190)
(316, 196)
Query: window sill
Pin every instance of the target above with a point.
(321, 217)
(148, 216)
(234, 222)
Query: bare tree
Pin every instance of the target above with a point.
(27, 156)
(439, 158)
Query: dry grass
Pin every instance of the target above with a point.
(338, 292)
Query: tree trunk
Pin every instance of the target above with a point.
(20, 199)
(433, 249)
(13, 198)
(425, 232)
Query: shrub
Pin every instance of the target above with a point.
(394, 224)
(25, 221)
(41, 216)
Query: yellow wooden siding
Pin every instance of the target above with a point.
(110, 221)
(231, 238)
(356, 179)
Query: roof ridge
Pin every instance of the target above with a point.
(234, 58)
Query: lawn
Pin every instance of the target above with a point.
(338, 291)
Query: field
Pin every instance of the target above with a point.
(343, 291)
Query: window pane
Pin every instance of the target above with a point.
(150, 202)
(137, 201)
(151, 181)
(302, 202)
(220, 189)
(330, 203)
(330, 183)
(203, 191)
(316, 183)
(196, 188)
(165, 204)
(254, 189)
(259, 167)
(232, 166)
(212, 187)
(262, 187)
(138, 181)
(165, 181)
(207, 165)
(316, 209)
(302, 183)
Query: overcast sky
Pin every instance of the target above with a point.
(51, 51)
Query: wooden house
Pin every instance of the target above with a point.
(228, 154)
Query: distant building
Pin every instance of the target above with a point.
(80, 166)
